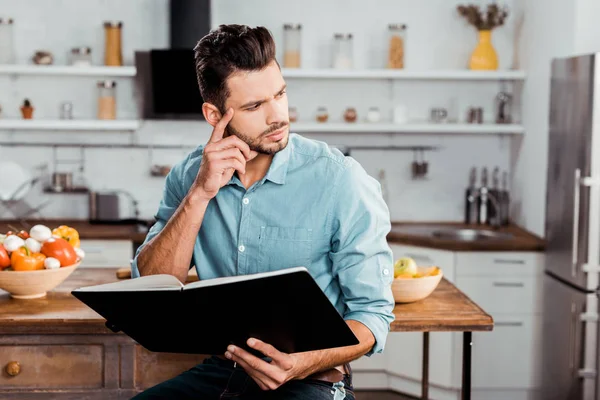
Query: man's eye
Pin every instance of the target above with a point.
(281, 93)
(253, 108)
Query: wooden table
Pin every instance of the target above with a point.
(447, 309)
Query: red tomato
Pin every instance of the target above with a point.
(60, 249)
(23, 235)
(9, 233)
(4, 258)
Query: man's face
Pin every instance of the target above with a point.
(260, 103)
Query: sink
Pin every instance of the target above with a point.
(451, 233)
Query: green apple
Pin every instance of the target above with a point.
(405, 266)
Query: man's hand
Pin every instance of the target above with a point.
(221, 158)
(269, 376)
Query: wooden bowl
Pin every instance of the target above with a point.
(34, 284)
(408, 290)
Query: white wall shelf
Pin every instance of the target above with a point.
(445, 128)
(66, 70)
(404, 74)
(69, 125)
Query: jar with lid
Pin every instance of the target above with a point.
(322, 114)
(113, 53)
(7, 44)
(107, 103)
(343, 52)
(293, 114)
(373, 115)
(396, 45)
(292, 35)
(81, 57)
(350, 114)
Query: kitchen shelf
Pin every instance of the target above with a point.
(408, 128)
(74, 190)
(69, 124)
(407, 74)
(66, 70)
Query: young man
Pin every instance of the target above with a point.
(257, 198)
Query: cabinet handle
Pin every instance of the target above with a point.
(423, 258)
(13, 368)
(509, 323)
(506, 261)
(509, 284)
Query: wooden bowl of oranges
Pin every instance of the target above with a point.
(412, 282)
(36, 261)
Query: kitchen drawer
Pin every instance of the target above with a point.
(53, 366)
(107, 253)
(503, 295)
(509, 357)
(164, 366)
(427, 257)
(506, 263)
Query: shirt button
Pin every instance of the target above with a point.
(246, 200)
(386, 271)
(241, 248)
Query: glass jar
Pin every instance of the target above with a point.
(322, 114)
(293, 114)
(81, 57)
(66, 110)
(373, 115)
(292, 36)
(107, 103)
(343, 54)
(7, 44)
(113, 53)
(396, 45)
(350, 114)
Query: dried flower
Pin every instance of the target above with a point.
(493, 17)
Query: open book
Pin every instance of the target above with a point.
(285, 308)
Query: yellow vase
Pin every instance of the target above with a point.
(484, 56)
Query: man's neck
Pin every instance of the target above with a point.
(256, 169)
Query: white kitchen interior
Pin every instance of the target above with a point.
(118, 155)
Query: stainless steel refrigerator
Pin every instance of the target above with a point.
(570, 331)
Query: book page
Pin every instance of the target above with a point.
(149, 282)
(239, 278)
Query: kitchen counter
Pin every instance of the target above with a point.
(87, 230)
(520, 240)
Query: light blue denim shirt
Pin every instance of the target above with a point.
(315, 208)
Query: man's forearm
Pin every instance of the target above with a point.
(171, 250)
(314, 361)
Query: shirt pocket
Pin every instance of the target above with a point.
(281, 248)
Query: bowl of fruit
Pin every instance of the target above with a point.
(412, 282)
(35, 262)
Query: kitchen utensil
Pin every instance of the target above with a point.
(105, 206)
(475, 115)
(62, 181)
(503, 108)
(438, 115)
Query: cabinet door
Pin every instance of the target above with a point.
(509, 357)
(107, 253)
(426, 257)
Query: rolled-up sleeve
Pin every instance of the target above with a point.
(168, 204)
(362, 259)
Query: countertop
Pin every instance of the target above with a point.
(522, 240)
(446, 309)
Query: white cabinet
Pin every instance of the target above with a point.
(107, 253)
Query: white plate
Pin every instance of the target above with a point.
(13, 178)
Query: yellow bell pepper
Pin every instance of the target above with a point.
(69, 234)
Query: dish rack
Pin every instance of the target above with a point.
(18, 205)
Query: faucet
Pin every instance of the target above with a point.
(483, 193)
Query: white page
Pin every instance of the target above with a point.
(239, 278)
(148, 282)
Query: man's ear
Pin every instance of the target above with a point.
(211, 113)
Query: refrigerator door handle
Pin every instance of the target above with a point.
(574, 249)
(572, 336)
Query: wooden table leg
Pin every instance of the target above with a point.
(466, 367)
(425, 375)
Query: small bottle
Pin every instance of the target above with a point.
(322, 114)
(482, 204)
(471, 210)
(107, 103)
(494, 191)
(373, 115)
(350, 114)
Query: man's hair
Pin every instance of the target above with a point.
(226, 50)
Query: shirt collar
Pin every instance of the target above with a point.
(278, 168)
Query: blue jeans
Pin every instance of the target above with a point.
(217, 379)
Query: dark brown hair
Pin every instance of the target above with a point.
(226, 50)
